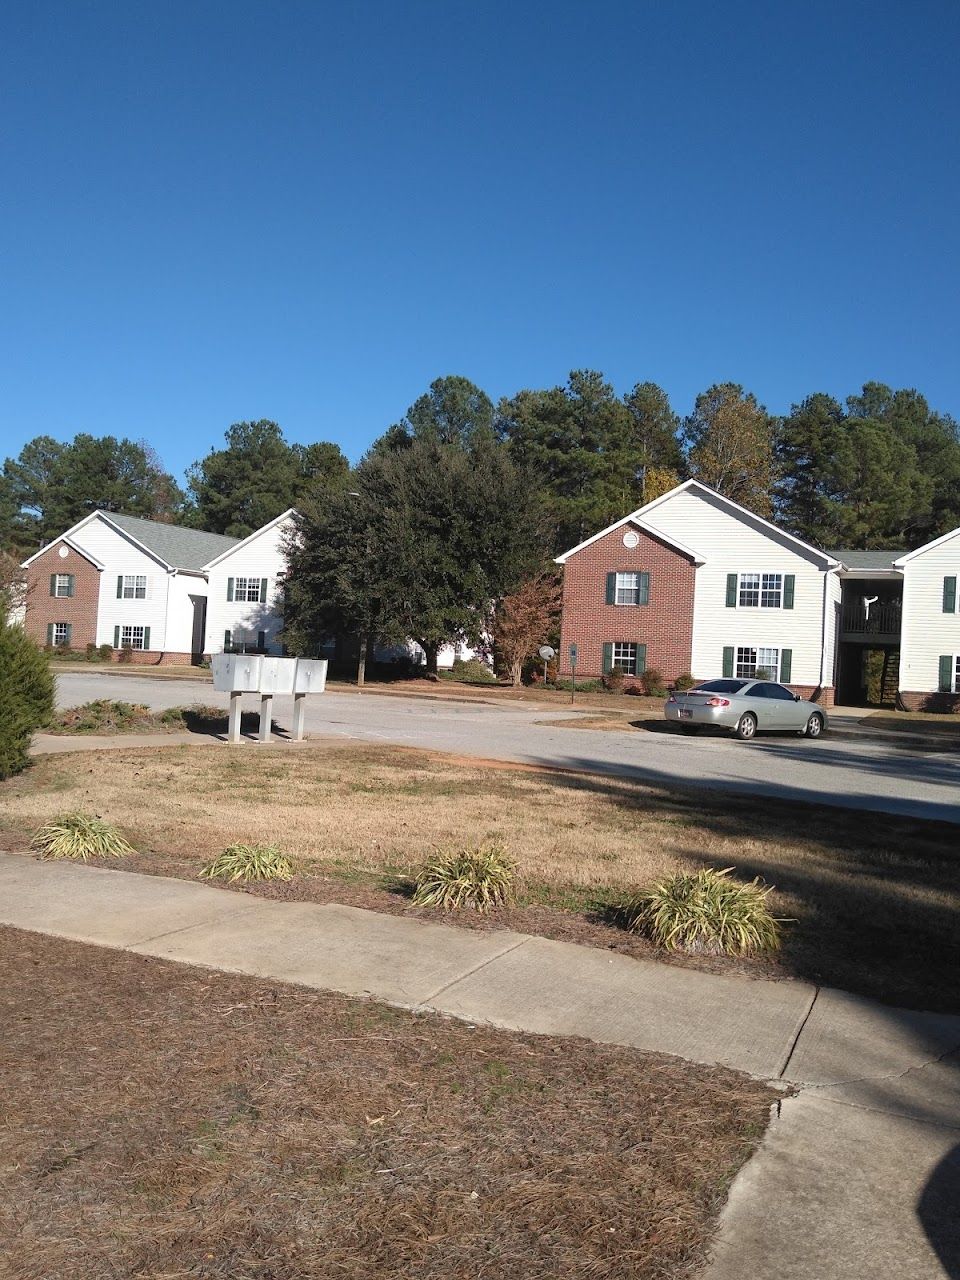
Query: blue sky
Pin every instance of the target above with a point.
(306, 212)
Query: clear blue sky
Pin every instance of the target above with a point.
(307, 211)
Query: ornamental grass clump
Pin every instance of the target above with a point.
(79, 836)
(480, 878)
(705, 912)
(249, 862)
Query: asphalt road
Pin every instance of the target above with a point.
(859, 774)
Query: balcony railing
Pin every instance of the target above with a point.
(878, 620)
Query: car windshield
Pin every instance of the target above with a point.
(721, 686)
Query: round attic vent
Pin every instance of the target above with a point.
(631, 539)
(63, 552)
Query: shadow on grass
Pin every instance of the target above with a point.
(213, 722)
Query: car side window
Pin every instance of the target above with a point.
(757, 691)
(780, 692)
(721, 686)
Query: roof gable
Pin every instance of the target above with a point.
(171, 545)
(928, 546)
(239, 543)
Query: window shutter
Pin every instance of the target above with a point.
(263, 591)
(69, 638)
(116, 637)
(641, 663)
(261, 640)
(229, 589)
(611, 588)
(50, 634)
(607, 659)
(70, 584)
(731, 590)
(789, 582)
(227, 636)
(643, 595)
(146, 637)
(946, 673)
(120, 587)
(950, 595)
(728, 658)
(53, 584)
(786, 665)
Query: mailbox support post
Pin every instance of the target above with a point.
(266, 717)
(233, 726)
(299, 707)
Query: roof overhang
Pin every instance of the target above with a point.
(927, 546)
(74, 546)
(647, 528)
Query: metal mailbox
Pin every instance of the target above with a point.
(236, 672)
(276, 675)
(311, 675)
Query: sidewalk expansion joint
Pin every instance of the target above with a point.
(470, 972)
(170, 933)
(799, 1032)
(890, 1075)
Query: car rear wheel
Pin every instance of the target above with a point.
(746, 726)
(814, 726)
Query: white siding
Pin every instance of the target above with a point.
(733, 544)
(832, 628)
(261, 556)
(184, 589)
(119, 556)
(927, 632)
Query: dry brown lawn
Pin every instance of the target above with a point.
(874, 900)
(163, 1122)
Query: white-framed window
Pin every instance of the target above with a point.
(625, 655)
(751, 660)
(760, 590)
(134, 586)
(628, 588)
(60, 636)
(132, 638)
(62, 585)
(956, 674)
(246, 589)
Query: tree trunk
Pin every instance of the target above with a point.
(362, 661)
(431, 652)
(516, 668)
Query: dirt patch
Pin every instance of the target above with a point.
(170, 1122)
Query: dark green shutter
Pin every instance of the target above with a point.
(607, 659)
(53, 584)
(116, 637)
(789, 582)
(70, 584)
(68, 641)
(731, 590)
(786, 665)
(50, 634)
(120, 587)
(227, 637)
(262, 640)
(950, 595)
(946, 673)
(229, 589)
(643, 595)
(611, 588)
(641, 664)
(263, 591)
(146, 637)
(728, 659)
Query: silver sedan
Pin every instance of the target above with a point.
(745, 707)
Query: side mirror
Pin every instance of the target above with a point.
(797, 698)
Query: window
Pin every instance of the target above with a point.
(628, 588)
(750, 661)
(625, 656)
(779, 693)
(721, 686)
(132, 637)
(62, 584)
(132, 586)
(246, 590)
(760, 590)
(60, 635)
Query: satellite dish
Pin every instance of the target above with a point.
(546, 653)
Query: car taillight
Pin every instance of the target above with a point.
(718, 702)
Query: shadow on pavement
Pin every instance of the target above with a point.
(938, 1209)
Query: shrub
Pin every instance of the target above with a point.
(684, 681)
(472, 671)
(92, 653)
(26, 696)
(583, 686)
(705, 912)
(763, 673)
(249, 862)
(106, 652)
(79, 836)
(654, 685)
(481, 878)
(613, 681)
(126, 653)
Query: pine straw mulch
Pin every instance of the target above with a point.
(165, 1122)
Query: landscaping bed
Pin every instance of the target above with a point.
(164, 1121)
(107, 716)
(872, 900)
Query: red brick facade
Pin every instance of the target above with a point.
(664, 625)
(79, 610)
(944, 703)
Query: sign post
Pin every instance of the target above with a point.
(573, 671)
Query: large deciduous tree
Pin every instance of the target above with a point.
(729, 439)
(523, 621)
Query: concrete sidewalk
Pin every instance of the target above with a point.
(855, 1177)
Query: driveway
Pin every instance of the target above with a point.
(859, 775)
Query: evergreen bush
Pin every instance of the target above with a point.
(26, 696)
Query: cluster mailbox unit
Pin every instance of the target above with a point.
(240, 673)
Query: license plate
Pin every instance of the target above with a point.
(685, 714)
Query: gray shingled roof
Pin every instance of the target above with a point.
(867, 559)
(181, 548)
